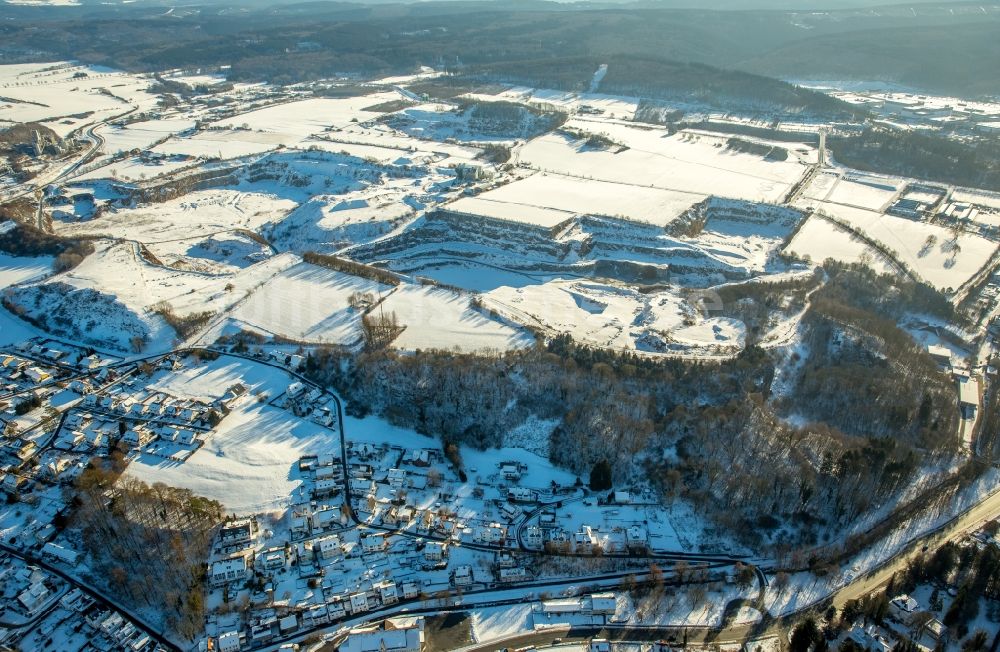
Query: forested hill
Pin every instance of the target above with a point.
(655, 78)
(942, 47)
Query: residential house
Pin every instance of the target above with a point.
(37, 375)
(387, 592)
(410, 590)
(462, 576)
(324, 519)
(435, 551)
(335, 608)
(327, 547)
(490, 534)
(400, 634)
(397, 478)
(903, 608)
(239, 533)
(533, 537)
(637, 538)
(521, 495)
(325, 488)
(34, 598)
(359, 603)
(510, 471)
(137, 437)
(372, 543)
(229, 570)
(229, 642)
(584, 540)
(516, 574)
(273, 558)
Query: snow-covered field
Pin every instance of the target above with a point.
(437, 318)
(512, 212)
(681, 162)
(137, 287)
(219, 253)
(860, 191)
(382, 136)
(329, 222)
(308, 303)
(294, 121)
(933, 252)
(59, 94)
(819, 239)
(981, 198)
(548, 199)
(18, 269)
(614, 317)
(135, 169)
(140, 135)
(223, 144)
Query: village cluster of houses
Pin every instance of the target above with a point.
(243, 561)
(909, 621)
(312, 404)
(29, 593)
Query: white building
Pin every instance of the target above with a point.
(273, 558)
(136, 438)
(603, 603)
(359, 603)
(238, 533)
(229, 642)
(372, 543)
(34, 597)
(463, 576)
(941, 355)
(510, 471)
(387, 592)
(492, 533)
(59, 553)
(397, 478)
(533, 537)
(229, 570)
(435, 551)
(327, 547)
(521, 495)
(401, 634)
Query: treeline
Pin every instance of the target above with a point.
(185, 326)
(351, 267)
(769, 152)
(970, 162)
(26, 240)
(149, 543)
(508, 119)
